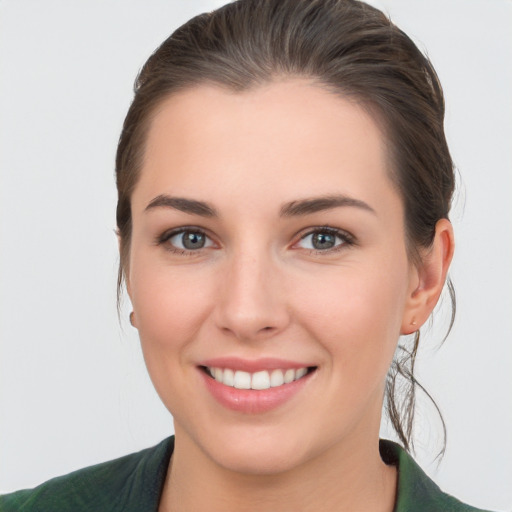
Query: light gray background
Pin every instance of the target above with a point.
(73, 388)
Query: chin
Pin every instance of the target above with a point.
(251, 450)
(258, 460)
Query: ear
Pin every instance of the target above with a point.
(132, 317)
(428, 278)
(126, 274)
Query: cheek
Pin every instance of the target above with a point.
(171, 304)
(356, 314)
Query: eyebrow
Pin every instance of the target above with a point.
(191, 206)
(291, 209)
(317, 204)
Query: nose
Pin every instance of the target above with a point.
(251, 301)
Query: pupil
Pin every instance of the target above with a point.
(193, 240)
(323, 241)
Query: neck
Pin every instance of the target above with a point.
(341, 479)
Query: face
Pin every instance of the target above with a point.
(268, 251)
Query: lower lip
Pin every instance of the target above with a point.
(253, 401)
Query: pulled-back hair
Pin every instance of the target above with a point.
(350, 48)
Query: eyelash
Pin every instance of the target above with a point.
(347, 239)
(167, 235)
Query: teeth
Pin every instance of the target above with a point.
(242, 380)
(228, 377)
(300, 373)
(289, 376)
(217, 373)
(258, 380)
(276, 378)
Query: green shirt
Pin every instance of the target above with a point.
(134, 483)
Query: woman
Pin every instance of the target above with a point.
(284, 186)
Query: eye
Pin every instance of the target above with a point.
(186, 240)
(324, 240)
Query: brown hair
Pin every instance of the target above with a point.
(352, 49)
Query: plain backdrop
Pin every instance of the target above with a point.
(73, 387)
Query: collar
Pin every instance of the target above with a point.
(415, 490)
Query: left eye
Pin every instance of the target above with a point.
(322, 240)
(189, 240)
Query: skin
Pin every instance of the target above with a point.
(259, 290)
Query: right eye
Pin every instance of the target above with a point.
(186, 240)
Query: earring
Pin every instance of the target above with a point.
(131, 319)
(413, 322)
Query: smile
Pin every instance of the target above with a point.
(260, 380)
(255, 386)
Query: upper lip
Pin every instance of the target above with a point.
(253, 365)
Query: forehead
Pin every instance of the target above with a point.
(285, 139)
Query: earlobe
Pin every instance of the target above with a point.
(124, 274)
(430, 276)
(131, 316)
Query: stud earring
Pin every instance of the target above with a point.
(131, 319)
(413, 322)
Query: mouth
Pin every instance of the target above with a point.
(257, 381)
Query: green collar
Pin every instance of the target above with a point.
(415, 490)
(135, 482)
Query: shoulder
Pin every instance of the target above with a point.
(416, 491)
(132, 482)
